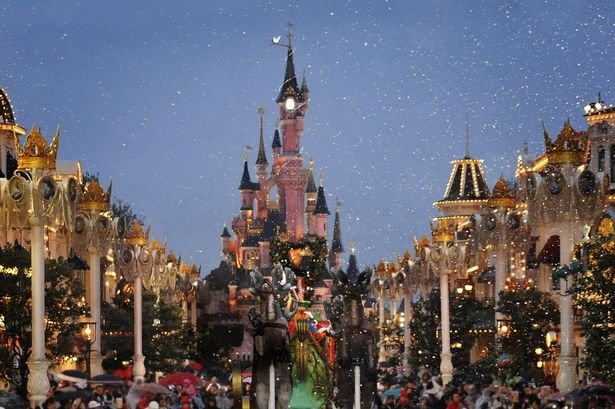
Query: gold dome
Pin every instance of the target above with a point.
(502, 196)
(94, 198)
(35, 154)
(136, 235)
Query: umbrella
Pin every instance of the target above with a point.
(152, 388)
(196, 366)
(124, 373)
(594, 391)
(106, 379)
(74, 373)
(180, 378)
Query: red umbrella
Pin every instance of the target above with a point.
(124, 373)
(180, 378)
(196, 366)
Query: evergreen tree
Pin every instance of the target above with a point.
(424, 330)
(168, 341)
(595, 295)
(64, 305)
(532, 314)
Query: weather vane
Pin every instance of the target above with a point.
(276, 39)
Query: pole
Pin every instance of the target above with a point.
(381, 351)
(271, 404)
(139, 360)
(446, 362)
(407, 333)
(357, 387)
(566, 377)
(88, 361)
(38, 382)
(95, 358)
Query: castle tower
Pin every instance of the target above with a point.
(288, 166)
(261, 171)
(311, 192)
(8, 128)
(225, 238)
(247, 190)
(322, 213)
(337, 249)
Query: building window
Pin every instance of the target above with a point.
(612, 158)
(600, 159)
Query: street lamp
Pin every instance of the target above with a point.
(89, 334)
(36, 197)
(503, 327)
(136, 261)
(92, 235)
(446, 256)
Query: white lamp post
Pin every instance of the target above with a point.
(446, 256)
(35, 198)
(92, 235)
(135, 260)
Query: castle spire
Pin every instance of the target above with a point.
(277, 143)
(289, 88)
(321, 202)
(261, 158)
(336, 243)
(310, 186)
(246, 181)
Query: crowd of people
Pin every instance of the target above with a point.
(209, 394)
(426, 392)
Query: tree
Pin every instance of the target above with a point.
(168, 340)
(467, 313)
(532, 314)
(424, 330)
(64, 305)
(595, 294)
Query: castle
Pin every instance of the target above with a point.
(283, 218)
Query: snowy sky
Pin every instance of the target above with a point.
(162, 96)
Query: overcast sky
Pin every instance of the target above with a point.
(161, 97)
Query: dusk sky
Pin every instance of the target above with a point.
(162, 96)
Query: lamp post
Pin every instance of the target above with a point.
(89, 333)
(135, 259)
(35, 197)
(92, 235)
(444, 257)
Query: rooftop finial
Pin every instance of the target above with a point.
(600, 97)
(467, 147)
(338, 205)
(246, 153)
(261, 158)
(322, 178)
(353, 249)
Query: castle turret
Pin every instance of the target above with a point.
(261, 171)
(337, 249)
(276, 145)
(246, 190)
(311, 192)
(225, 238)
(288, 166)
(322, 213)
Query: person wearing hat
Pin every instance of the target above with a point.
(153, 405)
(94, 404)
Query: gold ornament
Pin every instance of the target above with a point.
(35, 154)
(94, 198)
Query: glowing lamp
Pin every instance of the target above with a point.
(468, 287)
(289, 104)
(538, 351)
(459, 290)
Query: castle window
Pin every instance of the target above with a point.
(612, 158)
(600, 159)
